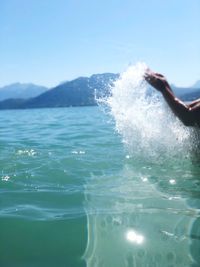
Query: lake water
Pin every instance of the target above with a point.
(81, 187)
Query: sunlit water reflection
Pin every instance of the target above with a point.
(141, 222)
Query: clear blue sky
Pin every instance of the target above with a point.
(50, 41)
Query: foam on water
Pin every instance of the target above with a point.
(142, 117)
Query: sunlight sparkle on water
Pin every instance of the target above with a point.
(134, 237)
(172, 181)
(144, 179)
(5, 178)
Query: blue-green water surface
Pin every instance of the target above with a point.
(72, 195)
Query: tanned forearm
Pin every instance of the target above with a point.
(186, 113)
(194, 104)
(180, 109)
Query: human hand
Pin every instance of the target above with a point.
(156, 80)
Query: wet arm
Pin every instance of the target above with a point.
(184, 112)
(194, 104)
(180, 109)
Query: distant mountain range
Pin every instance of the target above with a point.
(82, 91)
(196, 85)
(21, 90)
(187, 93)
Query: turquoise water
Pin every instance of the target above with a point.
(47, 157)
(99, 187)
(72, 195)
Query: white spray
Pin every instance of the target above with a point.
(142, 117)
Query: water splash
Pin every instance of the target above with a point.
(137, 217)
(142, 117)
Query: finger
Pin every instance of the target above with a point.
(146, 76)
(159, 75)
(148, 79)
(148, 71)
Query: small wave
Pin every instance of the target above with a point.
(34, 213)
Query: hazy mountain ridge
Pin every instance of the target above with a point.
(197, 84)
(78, 92)
(82, 91)
(21, 90)
(186, 93)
